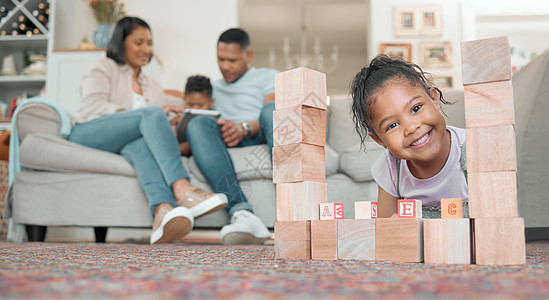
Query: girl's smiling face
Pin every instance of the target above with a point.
(408, 121)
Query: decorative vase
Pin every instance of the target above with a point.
(102, 35)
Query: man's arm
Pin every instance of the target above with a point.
(233, 132)
(269, 97)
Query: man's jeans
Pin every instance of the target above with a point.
(146, 139)
(212, 157)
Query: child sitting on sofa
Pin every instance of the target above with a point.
(198, 95)
(396, 105)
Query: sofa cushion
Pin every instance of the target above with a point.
(58, 154)
(254, 162)
(341, 129)
(356, 162)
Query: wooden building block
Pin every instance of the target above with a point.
(331, 211)
(399, 239)
(447, 241)
(297, 201)
(299, 124)
(451, 208)
(499, 241)
(324, 239)
(492, 194)
(356, 239)
(486, 60)
(300, 86)
(489, 104)
(365, 210)
(299, 162)
(491, 149)
(293, 239)
(409, 208)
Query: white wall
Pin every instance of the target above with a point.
(525, 23)
(382, 31)
(185, 32)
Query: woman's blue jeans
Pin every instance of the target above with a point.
(212, 157)
(146, 139)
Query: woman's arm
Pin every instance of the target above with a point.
(386, 204)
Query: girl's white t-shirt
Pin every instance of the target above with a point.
(450, 182)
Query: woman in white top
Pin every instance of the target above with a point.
(121, 112)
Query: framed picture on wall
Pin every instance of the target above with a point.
(443, 81)
(403, 51)
(431, 21)
(435, 54)
(405, 21)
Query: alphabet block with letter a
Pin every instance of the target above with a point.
(331, 211)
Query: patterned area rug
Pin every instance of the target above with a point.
(61, 270)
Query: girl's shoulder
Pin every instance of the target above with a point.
(458, 134)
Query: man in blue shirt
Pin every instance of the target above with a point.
(245, 98)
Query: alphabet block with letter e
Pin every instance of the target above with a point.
(409, 208)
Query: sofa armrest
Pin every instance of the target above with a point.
(49, 153)
(38, 118)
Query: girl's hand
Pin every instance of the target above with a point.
(232, 132)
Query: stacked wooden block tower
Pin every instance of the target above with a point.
(299, 171)
(498, 233)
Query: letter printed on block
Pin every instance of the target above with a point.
(408, 208)
(451, 208)
(331, 211)
(365, 210)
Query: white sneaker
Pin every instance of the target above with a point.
(245, 229)
(171, 224)
(201, 202)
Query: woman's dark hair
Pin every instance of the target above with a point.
(123, 28)
(235, 35)
(370, 80)
(200, 84)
